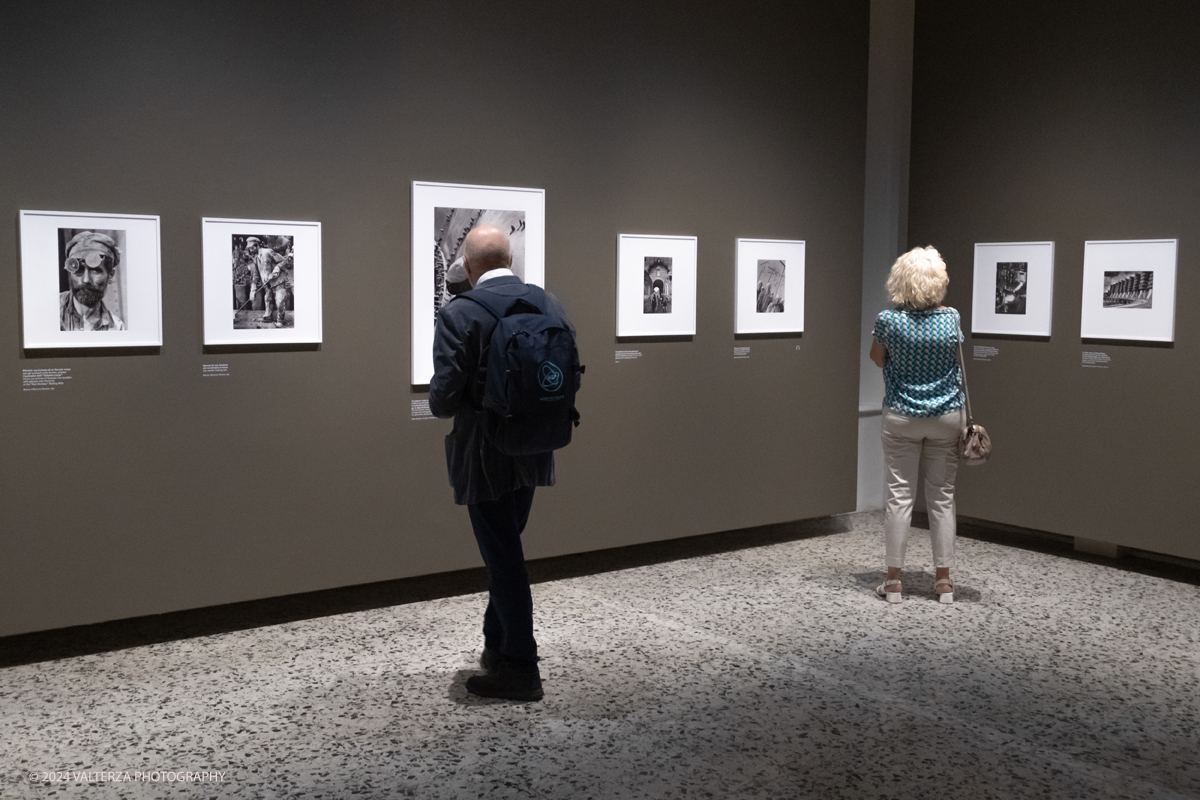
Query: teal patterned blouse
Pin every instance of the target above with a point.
(921, 375)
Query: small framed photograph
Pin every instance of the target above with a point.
(442, 216)
(90, 280)
(262, 281)
(1129, 290)
(656, 285)
(769, 295)
(1014, 288)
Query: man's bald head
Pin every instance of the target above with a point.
(486, 248)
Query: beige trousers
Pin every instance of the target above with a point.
(928, 445)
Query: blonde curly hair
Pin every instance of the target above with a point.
(918, 279)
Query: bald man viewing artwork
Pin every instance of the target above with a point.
(450, 229)
(90, 263)
(497, 489)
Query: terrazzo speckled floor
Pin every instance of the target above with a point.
(768, 673)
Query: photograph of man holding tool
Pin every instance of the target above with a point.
(263, 279)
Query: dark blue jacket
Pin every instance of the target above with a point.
(478, 472)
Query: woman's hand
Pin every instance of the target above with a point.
(878, 352)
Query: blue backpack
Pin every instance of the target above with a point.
(531, 371)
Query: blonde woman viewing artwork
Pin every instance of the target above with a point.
(916, 345)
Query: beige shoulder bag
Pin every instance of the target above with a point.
(974, 444)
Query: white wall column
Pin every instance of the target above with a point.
(885, 218)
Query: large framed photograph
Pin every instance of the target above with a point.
(1129, 290)
(769, 293)
(90, 280)
(1014, 288)
(262, 281)
(656, 285)
(442, 216)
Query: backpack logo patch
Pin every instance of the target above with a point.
(550, 377)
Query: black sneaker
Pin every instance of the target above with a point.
(507, 683)
(489, 659)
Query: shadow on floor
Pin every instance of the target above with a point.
(457, 692)
(916, 586)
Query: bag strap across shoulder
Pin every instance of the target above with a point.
(479, 301)
(498, 304)
(962, 366)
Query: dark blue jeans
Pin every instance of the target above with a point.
(508, 621)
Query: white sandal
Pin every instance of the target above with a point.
(944, 597)
(882, 591)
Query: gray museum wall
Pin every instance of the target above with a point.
(139, 487)
(1041, 121)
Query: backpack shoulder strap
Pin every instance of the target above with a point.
(498, 304)
(536, 297)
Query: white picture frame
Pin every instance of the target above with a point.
(128, 312)
(227, 266)
(645, 261)
(441, 215)
(1013, 289)
(769, 287)
(1129, 290)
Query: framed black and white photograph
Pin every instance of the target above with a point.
(1013, 288)
(1134, 290)
(442, 216)
(90, 280)
(1129, 290)
(656, 285)
(772, 283)
(769, 288)
(262, 281)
